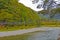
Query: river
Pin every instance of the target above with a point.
(39, 35)
(49, 35)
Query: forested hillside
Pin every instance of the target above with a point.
(50, 7)
(13, 13)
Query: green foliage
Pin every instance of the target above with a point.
(56, 10)
(42, 12)
(53, 12)
(14, 13)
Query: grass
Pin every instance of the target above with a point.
(17, 37)
(16, 28)
(50, 23)
(42, 24)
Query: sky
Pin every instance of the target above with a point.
(28, 3)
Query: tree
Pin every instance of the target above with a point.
(49, 5)
(14, 13)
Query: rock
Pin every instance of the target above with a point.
(35, 1)
(58, 38)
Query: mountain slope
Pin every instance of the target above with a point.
(14, 13)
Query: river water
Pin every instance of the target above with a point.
(49, 35)
(39, 35)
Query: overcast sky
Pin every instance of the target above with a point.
(28, 3)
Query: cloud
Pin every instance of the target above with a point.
(29, 4)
